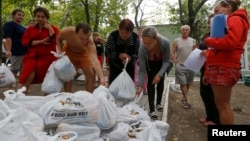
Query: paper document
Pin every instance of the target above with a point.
(195, 61)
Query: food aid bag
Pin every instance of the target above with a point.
(16, 99)
(119, 132)
(145, 131)
(123, 86)
(7, 78)
(76, 108)
(4, 110)
(51, 83)
(11, 127)
(32, 135)
(107, 107)
(64, 69)
(132, 112)
(85, 131)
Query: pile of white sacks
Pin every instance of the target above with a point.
(79, 116)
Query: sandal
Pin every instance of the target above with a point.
(153, 116)
(186, 105)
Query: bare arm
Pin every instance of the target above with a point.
(174, 47)
(7, 45)
(102, 40)
(95, 62)
(59, 43)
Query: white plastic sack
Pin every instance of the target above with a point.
(131, 113)
(32, 135)
(85, 131)
(11, 128)
(145, 131)
(107, 107)
(4, 110)
(51, 83)
(123, 86)
(18, 99)
(162, 127)
(76, 108)
(64, 69)
(119, 132)
(175, 87)
(7, 78)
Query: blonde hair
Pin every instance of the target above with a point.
(149, 31)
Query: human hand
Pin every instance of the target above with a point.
(47, 25)
(204, 80)
(8, 54)
(45, 41)
(103, 82)
(123, 57)
(203, 53)
(156, 79)
(139, 90)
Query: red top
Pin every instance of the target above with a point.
(227, 51)
(38, 57)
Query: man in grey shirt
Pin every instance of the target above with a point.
(182, 48)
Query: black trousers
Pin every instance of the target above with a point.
(116, 70)
(154, 68)
(207, 95)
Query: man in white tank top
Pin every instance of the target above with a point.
(181, 49)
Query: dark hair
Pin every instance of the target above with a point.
(42, 9)
(211, 15)
(15, 11)
(84, 27)
(126, 24)
(234, 3)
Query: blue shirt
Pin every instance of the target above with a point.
(15, 32)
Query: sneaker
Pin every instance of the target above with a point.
(153, 115)
(159, 108)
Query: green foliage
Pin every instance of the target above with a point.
(105, 15)
(190, 13)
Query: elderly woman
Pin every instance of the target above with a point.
(39, 39)
(122, 44)
(154, 59)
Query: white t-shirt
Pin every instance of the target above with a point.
(3, 49)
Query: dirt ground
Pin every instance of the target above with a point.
(184, 123)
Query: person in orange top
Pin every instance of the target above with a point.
(39, 39)
(81, 50)
(223, 60)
